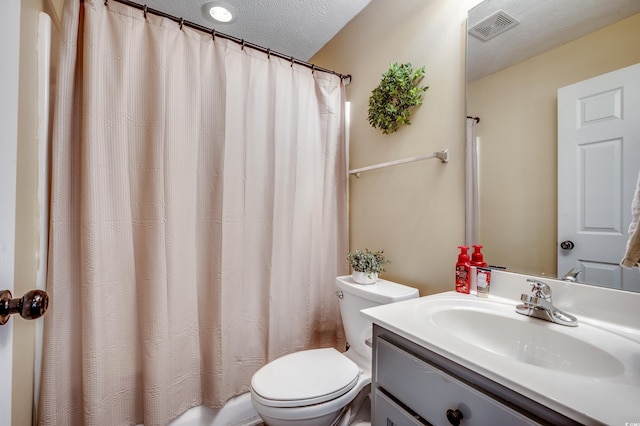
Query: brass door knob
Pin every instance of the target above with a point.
(32, 305)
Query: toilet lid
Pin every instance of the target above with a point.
(305, 378)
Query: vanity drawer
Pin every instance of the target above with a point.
(389, 413)
(430, 392)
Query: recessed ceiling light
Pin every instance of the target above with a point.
(220, 12)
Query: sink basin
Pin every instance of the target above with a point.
(498, 329)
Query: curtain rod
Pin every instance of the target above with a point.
(240, 41)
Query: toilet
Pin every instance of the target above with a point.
(318, 387)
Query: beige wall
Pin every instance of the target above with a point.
(415, 212)
(517, 107)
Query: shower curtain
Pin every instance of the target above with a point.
(198, 217)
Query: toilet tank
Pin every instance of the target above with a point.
(354, 297)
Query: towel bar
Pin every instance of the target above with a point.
(442, 155)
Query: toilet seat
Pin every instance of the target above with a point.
(305, 378)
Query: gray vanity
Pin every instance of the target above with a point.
(415, 386)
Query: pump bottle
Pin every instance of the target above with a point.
(463, 271)
(477, 259)
(480, 275)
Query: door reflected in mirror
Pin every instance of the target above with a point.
(512, 85)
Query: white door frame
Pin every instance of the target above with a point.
(9, 75)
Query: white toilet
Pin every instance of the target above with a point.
(316, 387)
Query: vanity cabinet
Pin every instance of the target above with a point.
(414, 386)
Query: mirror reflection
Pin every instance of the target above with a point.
(512, 86)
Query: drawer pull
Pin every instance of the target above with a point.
(454, 417)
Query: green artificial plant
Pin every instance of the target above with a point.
(392, 102)
(367, 261)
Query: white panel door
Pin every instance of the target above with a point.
(10, 53)
(598, 165)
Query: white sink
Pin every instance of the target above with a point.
(497, 328)
(590, 373)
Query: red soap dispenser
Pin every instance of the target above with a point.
(463, 271)
(476, 257)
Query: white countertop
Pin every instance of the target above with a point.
(610, 396)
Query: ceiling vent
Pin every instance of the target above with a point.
(495, 24)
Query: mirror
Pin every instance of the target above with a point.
(512, 82)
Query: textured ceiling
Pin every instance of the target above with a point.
(297, 28)
(544, 24)
(300, 28)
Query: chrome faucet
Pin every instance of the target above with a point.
(572, 275)
(538, 304)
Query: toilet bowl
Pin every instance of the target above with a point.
(316, 387)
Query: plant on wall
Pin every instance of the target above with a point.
(392, 102)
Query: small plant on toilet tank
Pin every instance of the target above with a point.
(366, 265)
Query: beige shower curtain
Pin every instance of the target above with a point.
(198, 217)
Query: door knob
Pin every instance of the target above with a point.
(567, 245)
(32, 305)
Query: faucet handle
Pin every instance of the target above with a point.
(540, 289)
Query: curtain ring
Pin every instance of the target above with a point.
(292, 62)
(313, 68)
(181, 23)
(242, 44)
(213, 34)
(144, 11)
(105, 2)
(268, 53)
